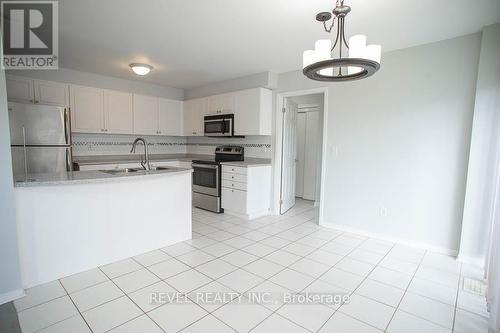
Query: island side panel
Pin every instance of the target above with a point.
(66, 229)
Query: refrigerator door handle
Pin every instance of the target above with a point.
(69, 160)
(67, 126)
(25, 154)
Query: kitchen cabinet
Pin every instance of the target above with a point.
(118, 112)
(170, 117)
(26, 90)
(145, 115)
(220, 104)
(243, 189)
(253, 112)
(194, 113)
(87, 109)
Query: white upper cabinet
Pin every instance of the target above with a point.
(145, 115)
(51, 93)
(170, 117)
(20, 89)
(253, 112)
(220, 104)
(118, 112)
(194, 113)
(26, 90)
(87, 114)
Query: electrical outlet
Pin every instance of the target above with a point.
(382, 211)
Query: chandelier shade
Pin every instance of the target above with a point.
(329, 62)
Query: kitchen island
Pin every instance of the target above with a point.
(73, 221)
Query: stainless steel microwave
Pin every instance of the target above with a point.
(219, 125)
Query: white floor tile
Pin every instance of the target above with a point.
(426, 308)
(263, 268)
(111, 314)
(121, 267)
(255, 235)
(366, 256)
(219, 249)
(136, 280)
(96, 295)
(325, 257)
(312, 241)
(299, 249)
(212, 296)
(139, 324)
(310, 267)
(282, 258)
(368, 311)
(309, 316)
(405, 267)
(195, 258)
(153, 257)
(46, 314)
(208, 324)
(436, 275)
(468, 322)
(406, 253)
(40, 294)
(355, 266)
(242, 317)
(221, 235)
(259, 249)
(188, 281)
(240, 280)
(153, 296)
(442, 262)
(378, 246)
(433, 290)
(268, 294)
(75, 324)
(319, 287)
(238, 242)
(178, 249)
(406, 323)
(168, 268)
(275, 242)
(83, 280)
(393, 278)
(216, 268)
(290, 235)
(342, 323)
(472, 303)
(201, 242)
(380, 292)
(174, 317)
(292, 280)
(342, 279)
(276, 323)
(239, 258)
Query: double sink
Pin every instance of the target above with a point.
(134, 170)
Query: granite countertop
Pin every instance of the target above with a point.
(87, 177)
(110, 159)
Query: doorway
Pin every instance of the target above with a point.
(302, 122)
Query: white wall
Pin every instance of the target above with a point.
(484, 154)
(402, 138)
(10, 278)
(100, 81)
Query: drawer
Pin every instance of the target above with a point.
(234, 169)
(234, 200)
(234, 185)
(236, 177)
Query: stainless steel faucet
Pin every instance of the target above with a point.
(145, 162)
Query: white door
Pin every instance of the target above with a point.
(145, 115)
(87, 114)
(288, 155)
(170, 117)
(301, 143)
(118, 113)
(19, 89)
(51, 93)
(311, 155)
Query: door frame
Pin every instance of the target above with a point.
(280, 98)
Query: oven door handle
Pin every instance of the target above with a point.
(205, 166)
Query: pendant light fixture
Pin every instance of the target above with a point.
(343, 61)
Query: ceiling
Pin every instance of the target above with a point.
(195, 42)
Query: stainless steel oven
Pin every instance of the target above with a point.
(219, 125)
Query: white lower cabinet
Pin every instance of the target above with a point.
(246, 191)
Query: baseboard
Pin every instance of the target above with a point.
(11, 296)
(252, 216)
(402, 241)
(471, 261)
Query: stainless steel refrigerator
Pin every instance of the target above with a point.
(40, 138)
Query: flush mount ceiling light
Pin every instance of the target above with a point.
(141, 69)
(330, 63)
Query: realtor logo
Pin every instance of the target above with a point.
(30, 34)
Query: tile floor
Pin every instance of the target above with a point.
(392, 288)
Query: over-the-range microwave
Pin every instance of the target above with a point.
(219, 125)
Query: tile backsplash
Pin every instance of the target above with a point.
(109, 144)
